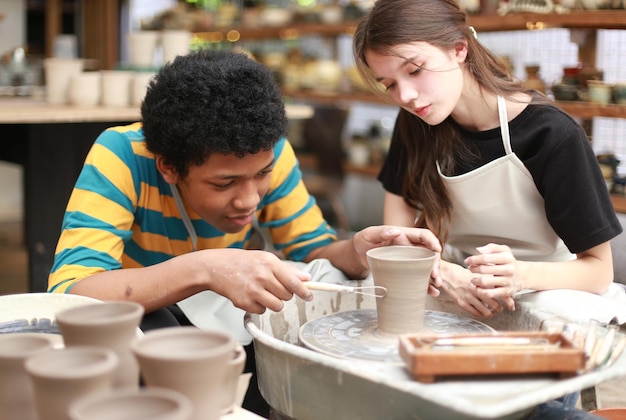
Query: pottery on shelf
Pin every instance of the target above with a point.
(132, 404)
(60, 376)
(112, 325)
(189, 360)
(533, 81)
(17, 400)
(619, 93)
(405, 272)
(599, 92)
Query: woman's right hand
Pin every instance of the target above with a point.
(456, 281)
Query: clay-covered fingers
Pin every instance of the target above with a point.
(291, 279)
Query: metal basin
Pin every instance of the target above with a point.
(303, 384)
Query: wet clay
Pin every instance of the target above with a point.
(405, 272)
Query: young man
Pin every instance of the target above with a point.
(163, 210)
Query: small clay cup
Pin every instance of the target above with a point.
(60, 376)
(133, 404)
(405, 272)
(17, 398)
(112, 325)
(189, 360)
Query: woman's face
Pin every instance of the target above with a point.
(421, 78)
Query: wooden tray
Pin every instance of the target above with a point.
(429, 356)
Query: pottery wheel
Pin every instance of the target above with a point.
(354, 335)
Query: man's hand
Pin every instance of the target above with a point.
(254, 280)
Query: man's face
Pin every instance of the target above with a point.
(226, 190)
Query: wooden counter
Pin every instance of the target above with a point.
(30, 111)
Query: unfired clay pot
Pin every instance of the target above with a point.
(112, 325)
(236, 365)
(133, 404)
(405, 272)
(59, 376)
(189, 360)
(17, 400)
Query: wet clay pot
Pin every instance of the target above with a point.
(405, 272)
(60, 376)
(17, 399)
(111, 325)
(189, 360)
(133, 404)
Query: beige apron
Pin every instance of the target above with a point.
(499, 203)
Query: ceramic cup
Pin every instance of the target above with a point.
(60, 376)
(405, 272)
(140, 86)
(17, 399)
(116, 85)
(599, 92)
(112, 325)
(142, 48)
(58, 73)
(85, 88)
(189, 360)
(175, 43)
(133, 404)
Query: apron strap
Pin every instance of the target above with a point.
(186, 220)
(504, 125)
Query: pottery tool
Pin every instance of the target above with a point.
(375, 291)
(494, 343)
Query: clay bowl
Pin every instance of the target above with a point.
(565, 92)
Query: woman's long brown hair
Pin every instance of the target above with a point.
(442, 24)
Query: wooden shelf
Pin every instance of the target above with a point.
(597, 19)
(582, 19)
(619, 203)
(288, 32)
(585, 110)
(588, 110)
(335, 97)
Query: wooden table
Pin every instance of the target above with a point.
(51, 142)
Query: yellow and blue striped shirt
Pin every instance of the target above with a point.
(122, 214)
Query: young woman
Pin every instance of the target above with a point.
(506, 179)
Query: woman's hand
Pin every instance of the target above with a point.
(377, 236)
(457, 282)
(497, 273)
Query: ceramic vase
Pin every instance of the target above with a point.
(133, 404)
(533, 81)
(112, 325)
(189, 360)
(17, 400)
(236, 365)
(405, 272)
(60, 376)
